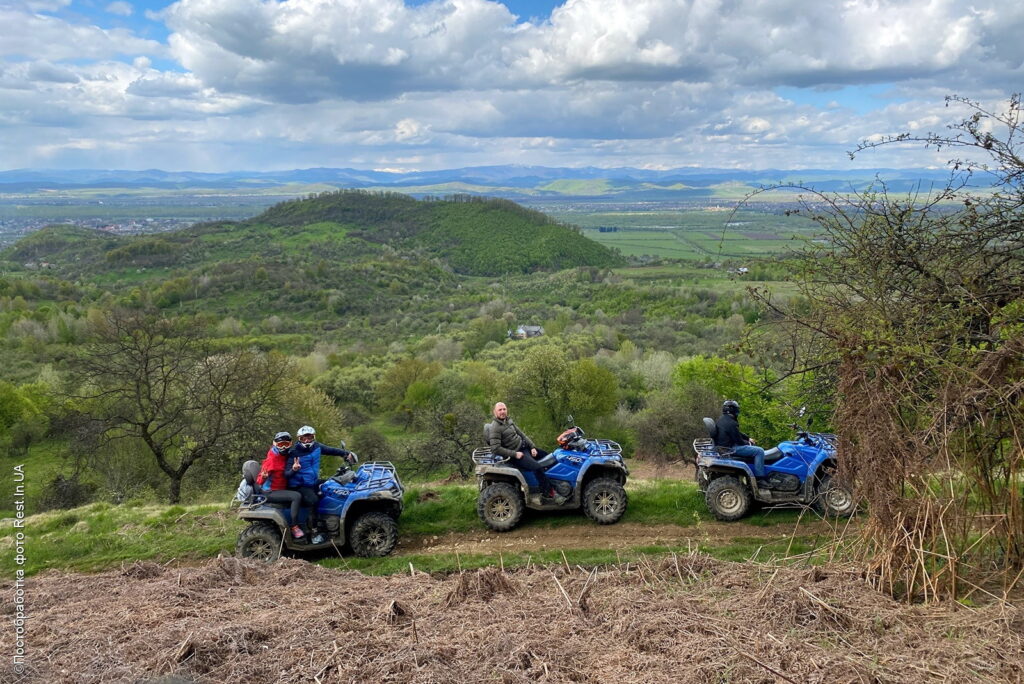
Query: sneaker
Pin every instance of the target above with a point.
(319, 538)
(297, 532)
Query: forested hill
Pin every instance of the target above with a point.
(475, 236)
(470, 235)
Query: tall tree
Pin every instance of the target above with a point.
(154, 381)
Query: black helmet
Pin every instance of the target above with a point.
(731, 407)
(283, 437)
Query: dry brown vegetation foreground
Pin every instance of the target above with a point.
(689, 618)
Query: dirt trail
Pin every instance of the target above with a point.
(587, 535)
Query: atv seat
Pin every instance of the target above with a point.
(711, 428)
(250, 470)
(770, 455)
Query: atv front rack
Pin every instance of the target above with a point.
(483, 456)
(606, 447)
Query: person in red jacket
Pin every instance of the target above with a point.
(272, 471)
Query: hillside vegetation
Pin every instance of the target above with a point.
(475, 236)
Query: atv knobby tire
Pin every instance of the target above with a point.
(834, 499)
(373, 535)
(727, 498)
(260, 541)
(500, 506)
(604, 501)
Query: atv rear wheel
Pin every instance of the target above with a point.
(604, 501)
(834, 499)
(373, 535)
(259, 541)
(727, 498)
(500, 506)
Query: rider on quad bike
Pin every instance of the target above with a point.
(730, 437)
(507, 440)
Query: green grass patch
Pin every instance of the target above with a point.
(740, 550)
(101, 535)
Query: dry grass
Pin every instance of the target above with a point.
(686, 618)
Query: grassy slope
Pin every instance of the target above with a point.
(100, 535)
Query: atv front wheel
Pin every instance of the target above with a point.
(259, 541)
(604, 501)
(373, 535)
(727, 498)
(500, 506)
(834, 499)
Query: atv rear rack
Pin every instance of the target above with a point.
(483, 456)
(705, 446)
(378, 473)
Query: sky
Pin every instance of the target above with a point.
(221, 85)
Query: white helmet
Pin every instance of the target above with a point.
(303, 431)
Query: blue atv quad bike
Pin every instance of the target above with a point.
(586, 473)
(359, 508)
(800, 471)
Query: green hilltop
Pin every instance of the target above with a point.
(347, 253)
(473, 235)
(466, 234)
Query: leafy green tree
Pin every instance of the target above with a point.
(762, 415)
(590, 391)
(23, 418)
(540, 381)
(395, 382)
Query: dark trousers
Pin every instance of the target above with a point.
(309, 500)
(287, 496)
(528, 462)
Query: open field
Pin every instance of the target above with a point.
(688, 234)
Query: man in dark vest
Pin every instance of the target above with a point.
(729, 435)
(506, 439)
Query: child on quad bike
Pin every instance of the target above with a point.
(272, 479)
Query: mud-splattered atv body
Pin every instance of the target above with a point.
(359, 508)
(588, 474)
(800, 471)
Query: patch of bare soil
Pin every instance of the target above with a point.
(682, 619)
(589, 536)
(660, 470)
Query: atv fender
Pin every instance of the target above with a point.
(274, 515)
(486, 474)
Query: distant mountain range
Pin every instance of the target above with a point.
(513, 182)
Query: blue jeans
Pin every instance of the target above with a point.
(758, 454)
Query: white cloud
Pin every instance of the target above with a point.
(39, 36)
(457, 82)
(120, 8)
